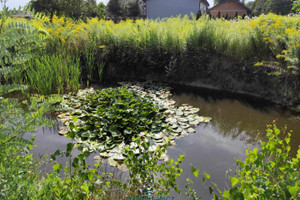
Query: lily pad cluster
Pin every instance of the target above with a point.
(107, 120)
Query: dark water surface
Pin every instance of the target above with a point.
(236, 121)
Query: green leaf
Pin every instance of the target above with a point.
(226, 194)
(57, 167)
(74, 118)
(236, 194)
(234, 181)
(85, 187)
(211, 190)
(294, 190)
(69, 147)
(195, 171)
(207, 175)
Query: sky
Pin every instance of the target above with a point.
(17, 3)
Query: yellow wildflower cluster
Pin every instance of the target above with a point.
(237, 38)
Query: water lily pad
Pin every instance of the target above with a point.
(207, 119)
(200, 119)
(164, 157)
(152, 148)
(195, 110)
(122, 167)
(64, 130)
(105, 154)
(118, 157)
(191, 130)
(112, 162)
(185, 126)
(108, 118)
(178, 130)
(158, 136)
(183, 119)
(193, 122)
(184, 132)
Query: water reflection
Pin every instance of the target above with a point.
(235, 124)
(238, 117)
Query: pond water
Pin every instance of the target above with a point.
(236, 121)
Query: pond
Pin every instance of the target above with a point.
(236, 121)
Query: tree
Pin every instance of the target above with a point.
(199, 14)
(114, 8)
(226, 16)
(101, 10)
(296, 5)
(236, 15)
(75, 9)
(282, 7)
(216, 2)
(134, 9)
(45, 6)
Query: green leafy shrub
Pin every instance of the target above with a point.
(270, 173)
(147, 173)
(19, 43)
(18, 169)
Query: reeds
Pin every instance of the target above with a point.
(53, 74)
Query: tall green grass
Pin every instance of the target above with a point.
(53, 74)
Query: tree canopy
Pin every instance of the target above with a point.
(281, 7)
(296, 5)
(76, 9)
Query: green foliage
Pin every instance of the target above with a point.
(90, 60)
(113, 116)
(269, 173)
(114, 8)
(145, 172)
(296, 5)
(75, 9)
(18, 43)
(53, 74)
(134, 9)
(18, 169)
(108, 120)
(281, 7)
(79, 181)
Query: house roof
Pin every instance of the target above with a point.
(205, 2)
(235, 1)
(25, 15)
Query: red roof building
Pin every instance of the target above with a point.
(229, 8)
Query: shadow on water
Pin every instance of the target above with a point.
(236, 121)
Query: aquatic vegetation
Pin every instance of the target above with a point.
(53, 74)
(109, 120)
